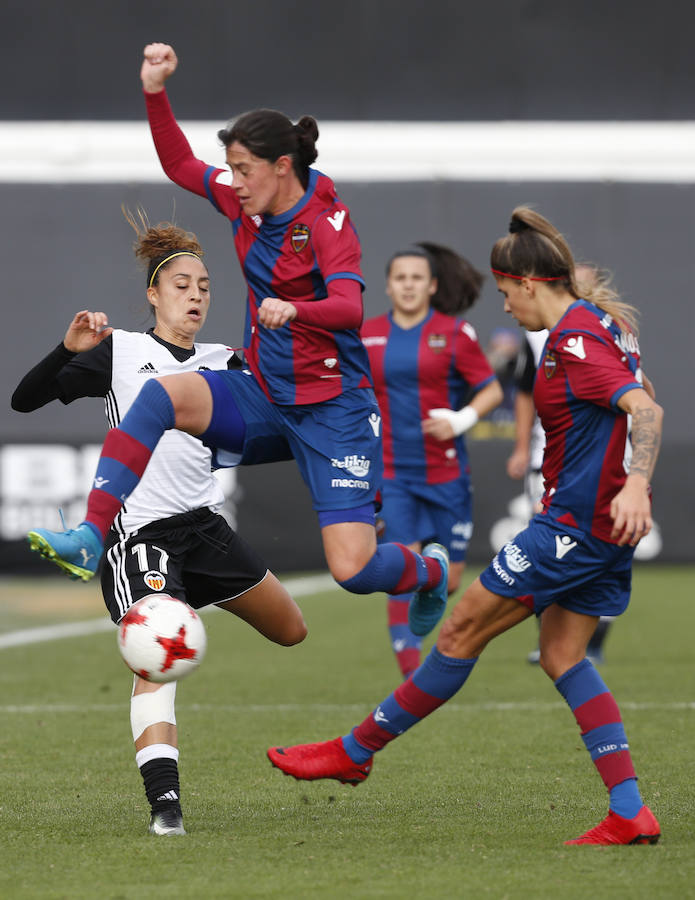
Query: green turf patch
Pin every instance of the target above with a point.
(474, 801)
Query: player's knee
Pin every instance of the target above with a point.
(354, 573)
(293, 633)
(461, 633)
(555, 662)
(449, 637)
(353, 577)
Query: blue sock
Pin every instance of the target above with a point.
(625, 799)
(603, 733)
(357, 753)
(150, 415)
(393, 569)
(431, 685)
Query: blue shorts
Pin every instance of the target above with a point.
(413, 512)
(552, 563)
(337, 443)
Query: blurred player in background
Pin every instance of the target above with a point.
(170, 534)
(503, 352)
(433, 383)
(308, 383)
(573, 562)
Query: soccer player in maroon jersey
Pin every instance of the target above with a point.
(432, 382)
(572, 563)
(527, 458)
(307, 388)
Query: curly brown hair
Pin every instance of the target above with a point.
(155, 242)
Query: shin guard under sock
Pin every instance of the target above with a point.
(601, 725)
(395, 569)
(431, 685)
(126, 452)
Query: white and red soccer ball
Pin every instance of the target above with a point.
(161, 638)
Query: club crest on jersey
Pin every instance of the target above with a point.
(549, 365)
(300, 237)
(155, 581)
(436, 342)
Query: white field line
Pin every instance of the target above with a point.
(298, 587)
(275, 708)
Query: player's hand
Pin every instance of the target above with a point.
(86, 330)
(158, 64)
(273, 313)
(444, 424)
(439, 429)
(518, 463)
(631, 511)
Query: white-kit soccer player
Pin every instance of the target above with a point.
(169, 536)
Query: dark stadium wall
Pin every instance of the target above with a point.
(368, 59)
(74, 251)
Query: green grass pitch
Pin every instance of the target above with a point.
(474, 802)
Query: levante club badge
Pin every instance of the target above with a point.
(549, 365)
(436, 342)
(300, 237)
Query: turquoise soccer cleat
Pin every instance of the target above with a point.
(76, 551)
(427, 607)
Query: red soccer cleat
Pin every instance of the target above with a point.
(327, 759)
(643, 829)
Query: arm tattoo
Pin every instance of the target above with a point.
(645, 438)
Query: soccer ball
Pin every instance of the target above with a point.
(161, 638)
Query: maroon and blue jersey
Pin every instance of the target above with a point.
(436, 364)
(587, 365)
(296, 256)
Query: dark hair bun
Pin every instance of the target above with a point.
(307, 135)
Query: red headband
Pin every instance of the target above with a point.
(530, 277)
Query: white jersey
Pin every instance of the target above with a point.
(178, 477)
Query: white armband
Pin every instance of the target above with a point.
(459, 419)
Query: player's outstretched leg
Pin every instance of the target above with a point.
(427, 606)
(124, 457)
(629, 821)
(349, 759)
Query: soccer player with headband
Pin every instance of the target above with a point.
(573, 561)
(170, 536)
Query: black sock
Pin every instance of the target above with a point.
(161, 778)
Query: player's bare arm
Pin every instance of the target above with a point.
(648, 386)
(86, 330)
(631, 507)
(524, 415)
(158, 64)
